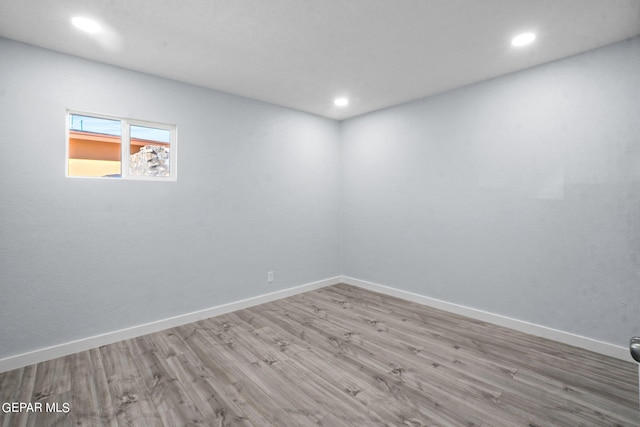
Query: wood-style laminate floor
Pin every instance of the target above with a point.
(337, 356)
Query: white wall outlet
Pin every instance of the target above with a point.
(269, 276)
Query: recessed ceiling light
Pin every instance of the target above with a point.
(86, 24)
(341, 102)
(523, 39)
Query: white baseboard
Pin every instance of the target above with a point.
(48, 353)
(601, 347)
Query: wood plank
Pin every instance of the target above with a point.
(132, 405)
(17, 386)
(91, 404)
(52, 384)
(165, 392)
(334, 356)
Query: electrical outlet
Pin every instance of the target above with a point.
(269, 276)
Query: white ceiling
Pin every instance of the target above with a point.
(304, 53)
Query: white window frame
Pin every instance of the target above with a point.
(125, 143)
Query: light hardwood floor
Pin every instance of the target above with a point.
(337, 356)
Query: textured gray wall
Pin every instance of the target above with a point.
(257, 190)
(519, 195)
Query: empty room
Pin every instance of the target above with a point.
(332, 213)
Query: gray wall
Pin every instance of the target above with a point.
(257, 190)
(519, 195)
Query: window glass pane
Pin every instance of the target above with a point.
(94, 125)
(94, 146)
(151, 134)
(150, 151)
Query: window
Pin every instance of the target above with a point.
(113, 147)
